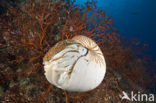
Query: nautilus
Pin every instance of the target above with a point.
(75, 64)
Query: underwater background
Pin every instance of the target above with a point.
(125, 30)
(133, 19)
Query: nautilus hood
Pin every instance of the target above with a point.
(75, 65)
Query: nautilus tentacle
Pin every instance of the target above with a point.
(92, 46)
(75, 64)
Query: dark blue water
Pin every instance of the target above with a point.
(133, 18)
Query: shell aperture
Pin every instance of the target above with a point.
(75, 64)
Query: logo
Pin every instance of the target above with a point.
(137, 97)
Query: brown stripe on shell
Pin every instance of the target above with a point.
(85, 41)
(57, 48)
(91, 45)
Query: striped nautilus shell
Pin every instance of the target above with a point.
(75, 64)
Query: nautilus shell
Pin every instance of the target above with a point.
(75, 64)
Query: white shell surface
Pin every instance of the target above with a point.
(78, 67)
